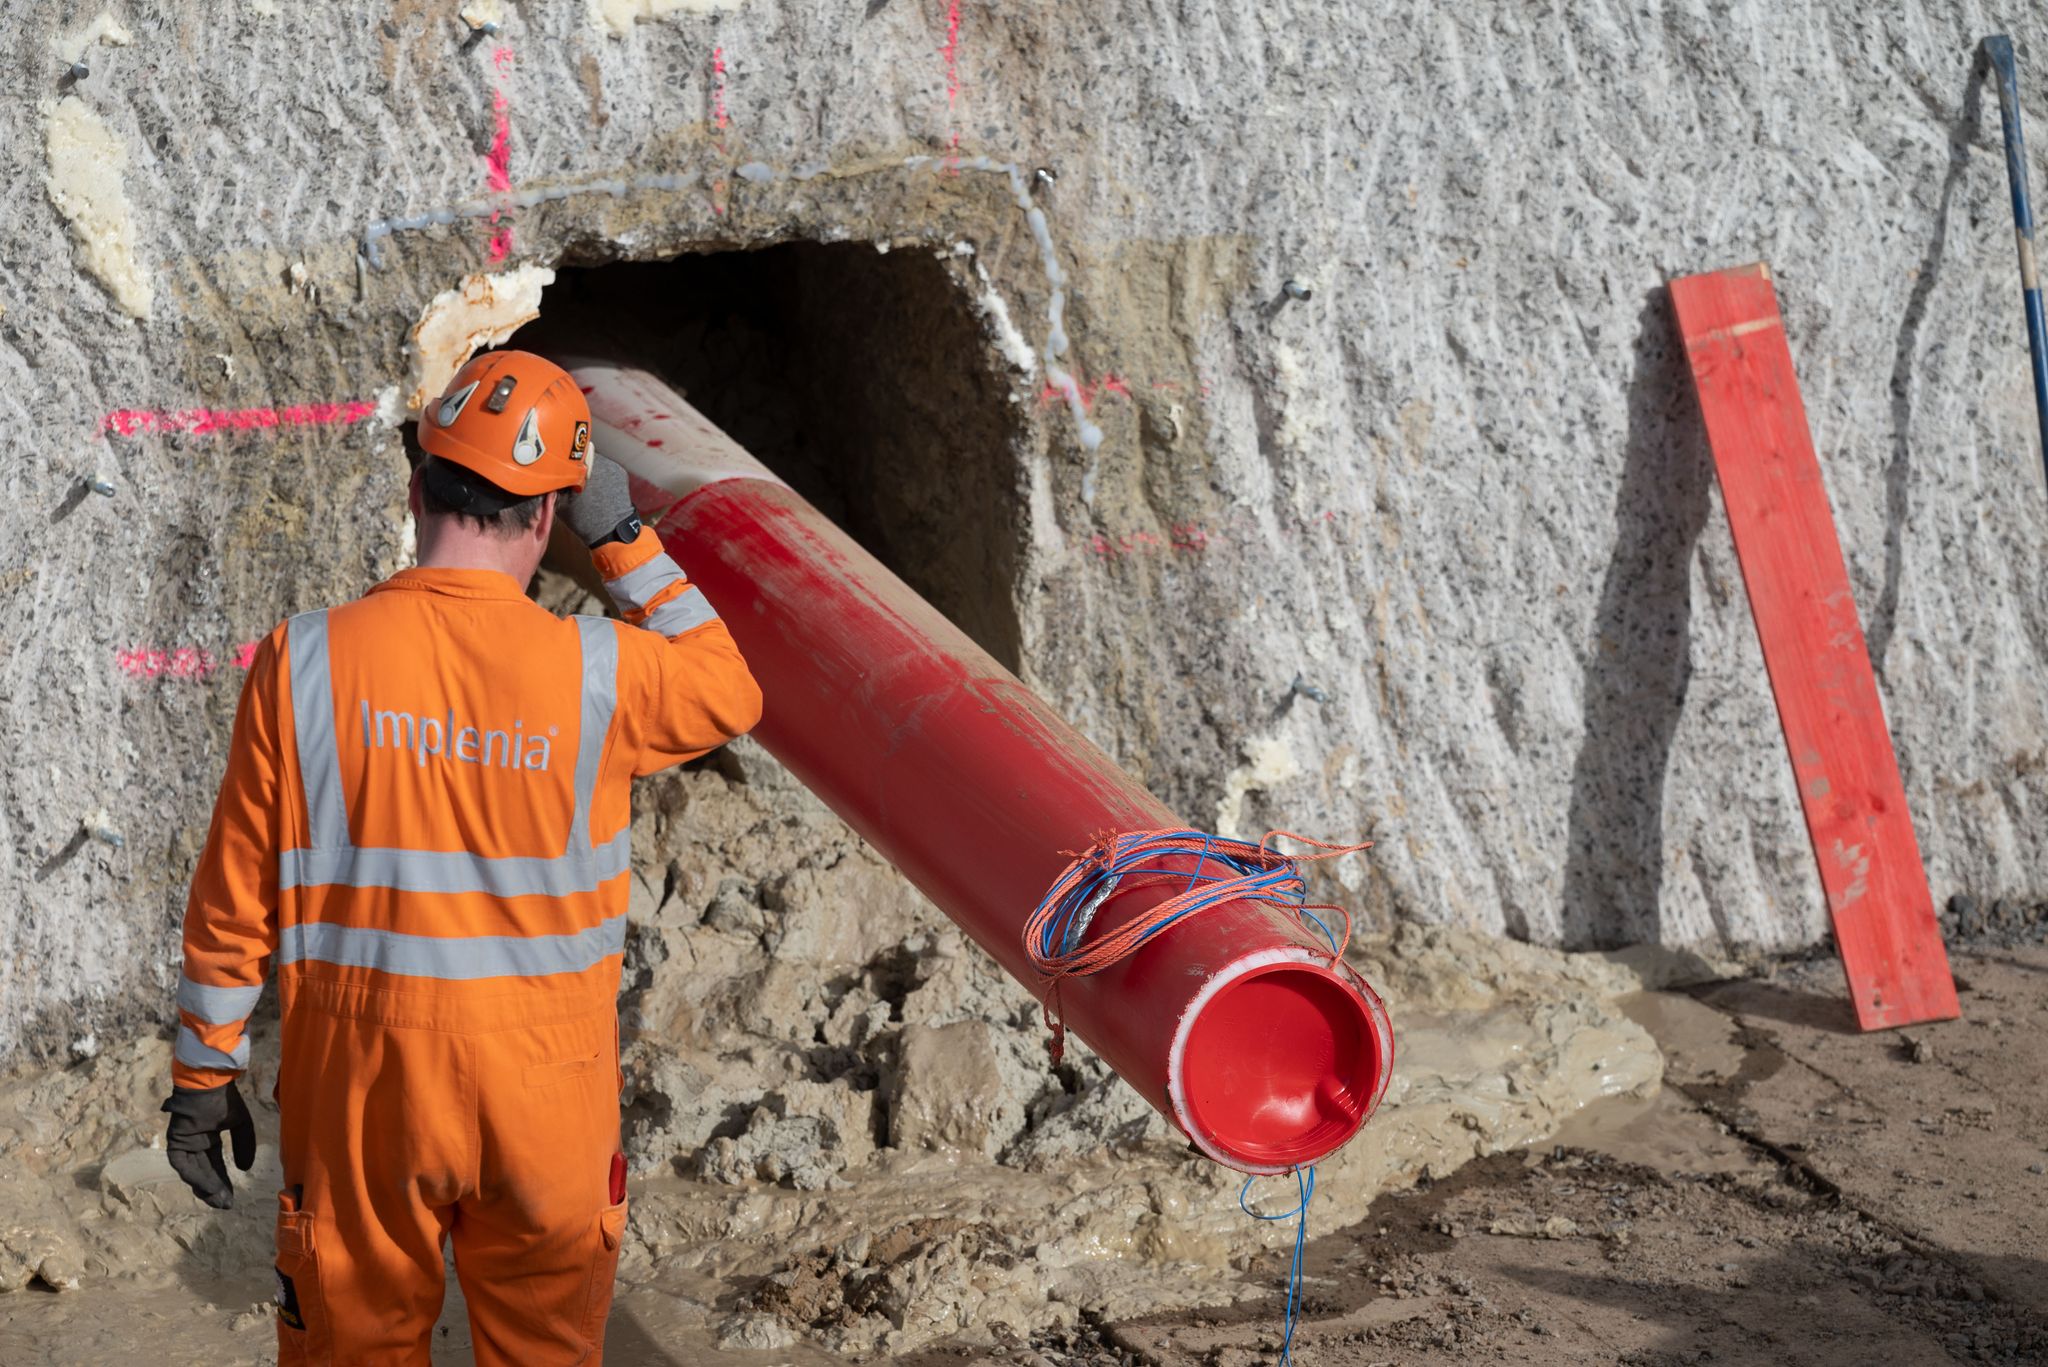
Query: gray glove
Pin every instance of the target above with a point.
(193, 1140)
(605, 502)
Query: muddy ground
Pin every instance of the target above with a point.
(1796, 1192)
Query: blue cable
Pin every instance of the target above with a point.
(1305, 1186)
(1280, 884)
(1062, 921)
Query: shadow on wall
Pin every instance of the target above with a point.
(1965, 131)
(1638, 664)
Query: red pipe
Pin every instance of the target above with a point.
(1235, 1023)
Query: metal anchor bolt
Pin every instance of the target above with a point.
(102, 487)
(1296, 291)
(78, 71)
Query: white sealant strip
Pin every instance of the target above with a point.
(996, 311)
(1055, 345)
(1176, 1082)
(647, 427)
(616, 188)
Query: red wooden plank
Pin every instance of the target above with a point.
(1813, 647)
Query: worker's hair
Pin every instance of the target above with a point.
(449, 490)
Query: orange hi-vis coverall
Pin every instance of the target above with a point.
(425, 826)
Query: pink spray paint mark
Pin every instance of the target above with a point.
(952, 55)
(202, 422)
(720, 122)
(184, 664)
(1052, 396)
(718, 118)
(501, 144)
(499, 162)
(1182, 538)
(1195, 539)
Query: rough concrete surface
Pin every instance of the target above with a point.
(1459, 492)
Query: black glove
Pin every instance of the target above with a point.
(193, 1140)
(605, 501)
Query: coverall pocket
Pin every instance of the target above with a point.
(303, 1334)
(604, 1269)
(573, 1072)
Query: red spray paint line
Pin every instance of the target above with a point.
(1193, 538)
(204, 421)
(499, 162)
(1183, 538)
(718, 119)
(720, 122)
(187, 664)
(952, 55)
(501, 144)
(1051, 396)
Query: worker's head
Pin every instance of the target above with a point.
(511, 431)
(515, 419)
(465, 521)
(448, 490)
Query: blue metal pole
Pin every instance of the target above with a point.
(1999, 50)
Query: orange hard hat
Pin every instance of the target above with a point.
(516, 419)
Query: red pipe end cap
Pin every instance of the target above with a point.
(1282, 1065)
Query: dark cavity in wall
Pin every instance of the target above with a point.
(860, 377)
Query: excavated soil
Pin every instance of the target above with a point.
(845, 1135)
(1793, 1191)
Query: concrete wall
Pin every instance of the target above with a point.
(1459, 493)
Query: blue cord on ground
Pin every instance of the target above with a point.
(1305, 1187)
(1225, 870)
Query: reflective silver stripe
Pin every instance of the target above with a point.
(600, 700)
(453, 957)
(636, 588)
(217, 1005)
(580, 870)
(313, 725)
(194, 1053)
(685, 612)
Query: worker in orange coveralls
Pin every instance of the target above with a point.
(425, 825)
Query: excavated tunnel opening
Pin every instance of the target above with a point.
(861, 377)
